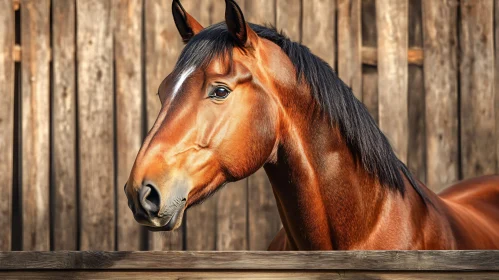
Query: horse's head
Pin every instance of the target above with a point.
(218, 122)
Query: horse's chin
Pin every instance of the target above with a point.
(172, 224)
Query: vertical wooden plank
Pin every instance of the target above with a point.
(7, 34)
(288, 18)
(319, 29)
(162, 47)
(478, 142)
(63, 123)
(391, 22)
(369, 73)
(263, 218)
(201, 221)
(95, 101)
(232, 224)
(35, 123)
(210, 11)
(416, 99)
(349, 45)
(441, 90)
(128, 81)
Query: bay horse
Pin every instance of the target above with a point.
(242, 97)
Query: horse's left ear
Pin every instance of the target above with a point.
(187, 26)
(237, 26)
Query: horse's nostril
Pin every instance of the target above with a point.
(153, 197)
(150, 199)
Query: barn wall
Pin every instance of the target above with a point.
(78, 83)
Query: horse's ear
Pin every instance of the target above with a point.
(187, 26)
(236, 24)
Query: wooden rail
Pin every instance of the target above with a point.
(369, 55)
(244, 264)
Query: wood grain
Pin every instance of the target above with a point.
(289, 18)
(7, 34)
(416, 98)
(162, 47)
(478, 142)
(391, 22)
(445, 261)
(350, 45)
(441, 90)
(128, 81)
(370, 72)
(64, 125)
(95, 115)
(263, 217)
(231, 274)
(232, 214)
(35, 28)
(319, 26)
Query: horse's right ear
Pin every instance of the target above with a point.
(187, 26)
(236, 24)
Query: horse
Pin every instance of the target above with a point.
(244, 96)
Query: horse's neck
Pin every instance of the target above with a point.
(327, 200)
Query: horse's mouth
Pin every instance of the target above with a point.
(172, 223)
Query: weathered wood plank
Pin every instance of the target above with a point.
(201, 223)
(128, 81)
(299, 275)
(350, 45)
(486, 260)
(478, 142)
(263, 217)
(64, 124)
(391, 22)
(416, 99)
(319, 28)
(288, 18)
(35, 32)
(370, 73)
(95, 101)
(162, 45)
(441, 90)
(232, 224)
(7, 34)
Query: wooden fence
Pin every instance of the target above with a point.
(78, 83)
(251, 265)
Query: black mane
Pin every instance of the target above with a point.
(335, 99)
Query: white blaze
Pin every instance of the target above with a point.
(181, 81)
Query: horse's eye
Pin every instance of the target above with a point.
(220, 93)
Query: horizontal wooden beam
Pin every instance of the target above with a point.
(370, 56)
(254, 260)
(244, 274)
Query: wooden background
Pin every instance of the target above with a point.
(78, 83)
